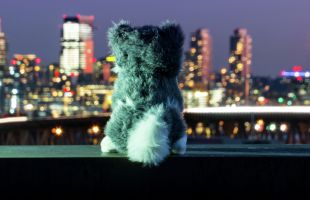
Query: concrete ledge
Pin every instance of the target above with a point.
(209, 170)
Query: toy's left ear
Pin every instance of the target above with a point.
(172, 34)
(119, 33)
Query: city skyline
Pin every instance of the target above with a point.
(79, 83)
(279, 41)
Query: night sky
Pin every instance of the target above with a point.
(280, 28)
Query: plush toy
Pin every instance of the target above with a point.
(147, 121)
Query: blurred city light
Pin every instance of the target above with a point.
(283, 127)
(57, 131)
(251, 109)
(272, 127)
(80, 85)
(94, 130)
(12, 119)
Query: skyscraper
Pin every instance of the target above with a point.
(197, 67)
(22, 82)
(77, 46)
(3, 62)
(240, 61)
(3, 48)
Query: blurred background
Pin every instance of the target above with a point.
(245, 69)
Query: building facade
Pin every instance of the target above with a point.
(3, 48)
(239, 72)
(197, 67)
(77, 45)
(22, 82)
(196, 75)
(3, 63)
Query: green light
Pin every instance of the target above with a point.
(292, 95)
(255, 92)
(289, 103)
(280, 100)
(273, 127)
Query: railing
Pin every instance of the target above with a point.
(203, 127)
(286, 125)
(224, 170)
(54, 131)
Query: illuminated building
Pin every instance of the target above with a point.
(3, 48)
(299, 84)
(195, 77)
(77, 45)
(296, 72)
(22, 82)
(95, 98)
(240, 61)
(27, 70)
(103, 69)
(197, 66)
(57, 81)
(3, 59)
(98, 98)
(53, 75)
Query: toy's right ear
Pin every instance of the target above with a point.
(119, 33)
(172, 34)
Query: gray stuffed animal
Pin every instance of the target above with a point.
(146, 122)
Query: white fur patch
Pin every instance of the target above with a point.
(179, 147)
(148, 140)
(116, 69)
(107, 145)
(129, 102)
(118, 105)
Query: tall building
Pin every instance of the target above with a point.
(3, 62)
(3, 47)
(22, 82)
(197, 66)
(240, 61)
(195, 78)
(77, 45)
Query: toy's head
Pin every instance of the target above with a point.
(149, 48)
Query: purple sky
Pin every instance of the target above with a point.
(280, 28)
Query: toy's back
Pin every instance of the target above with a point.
(146, 121)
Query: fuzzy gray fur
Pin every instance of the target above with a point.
(148, 61)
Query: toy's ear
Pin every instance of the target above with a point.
(172, 33)
(148, 33)
(172, 39)
(119, 33)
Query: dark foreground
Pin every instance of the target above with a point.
(232, 171)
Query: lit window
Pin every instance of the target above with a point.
(231, 59)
